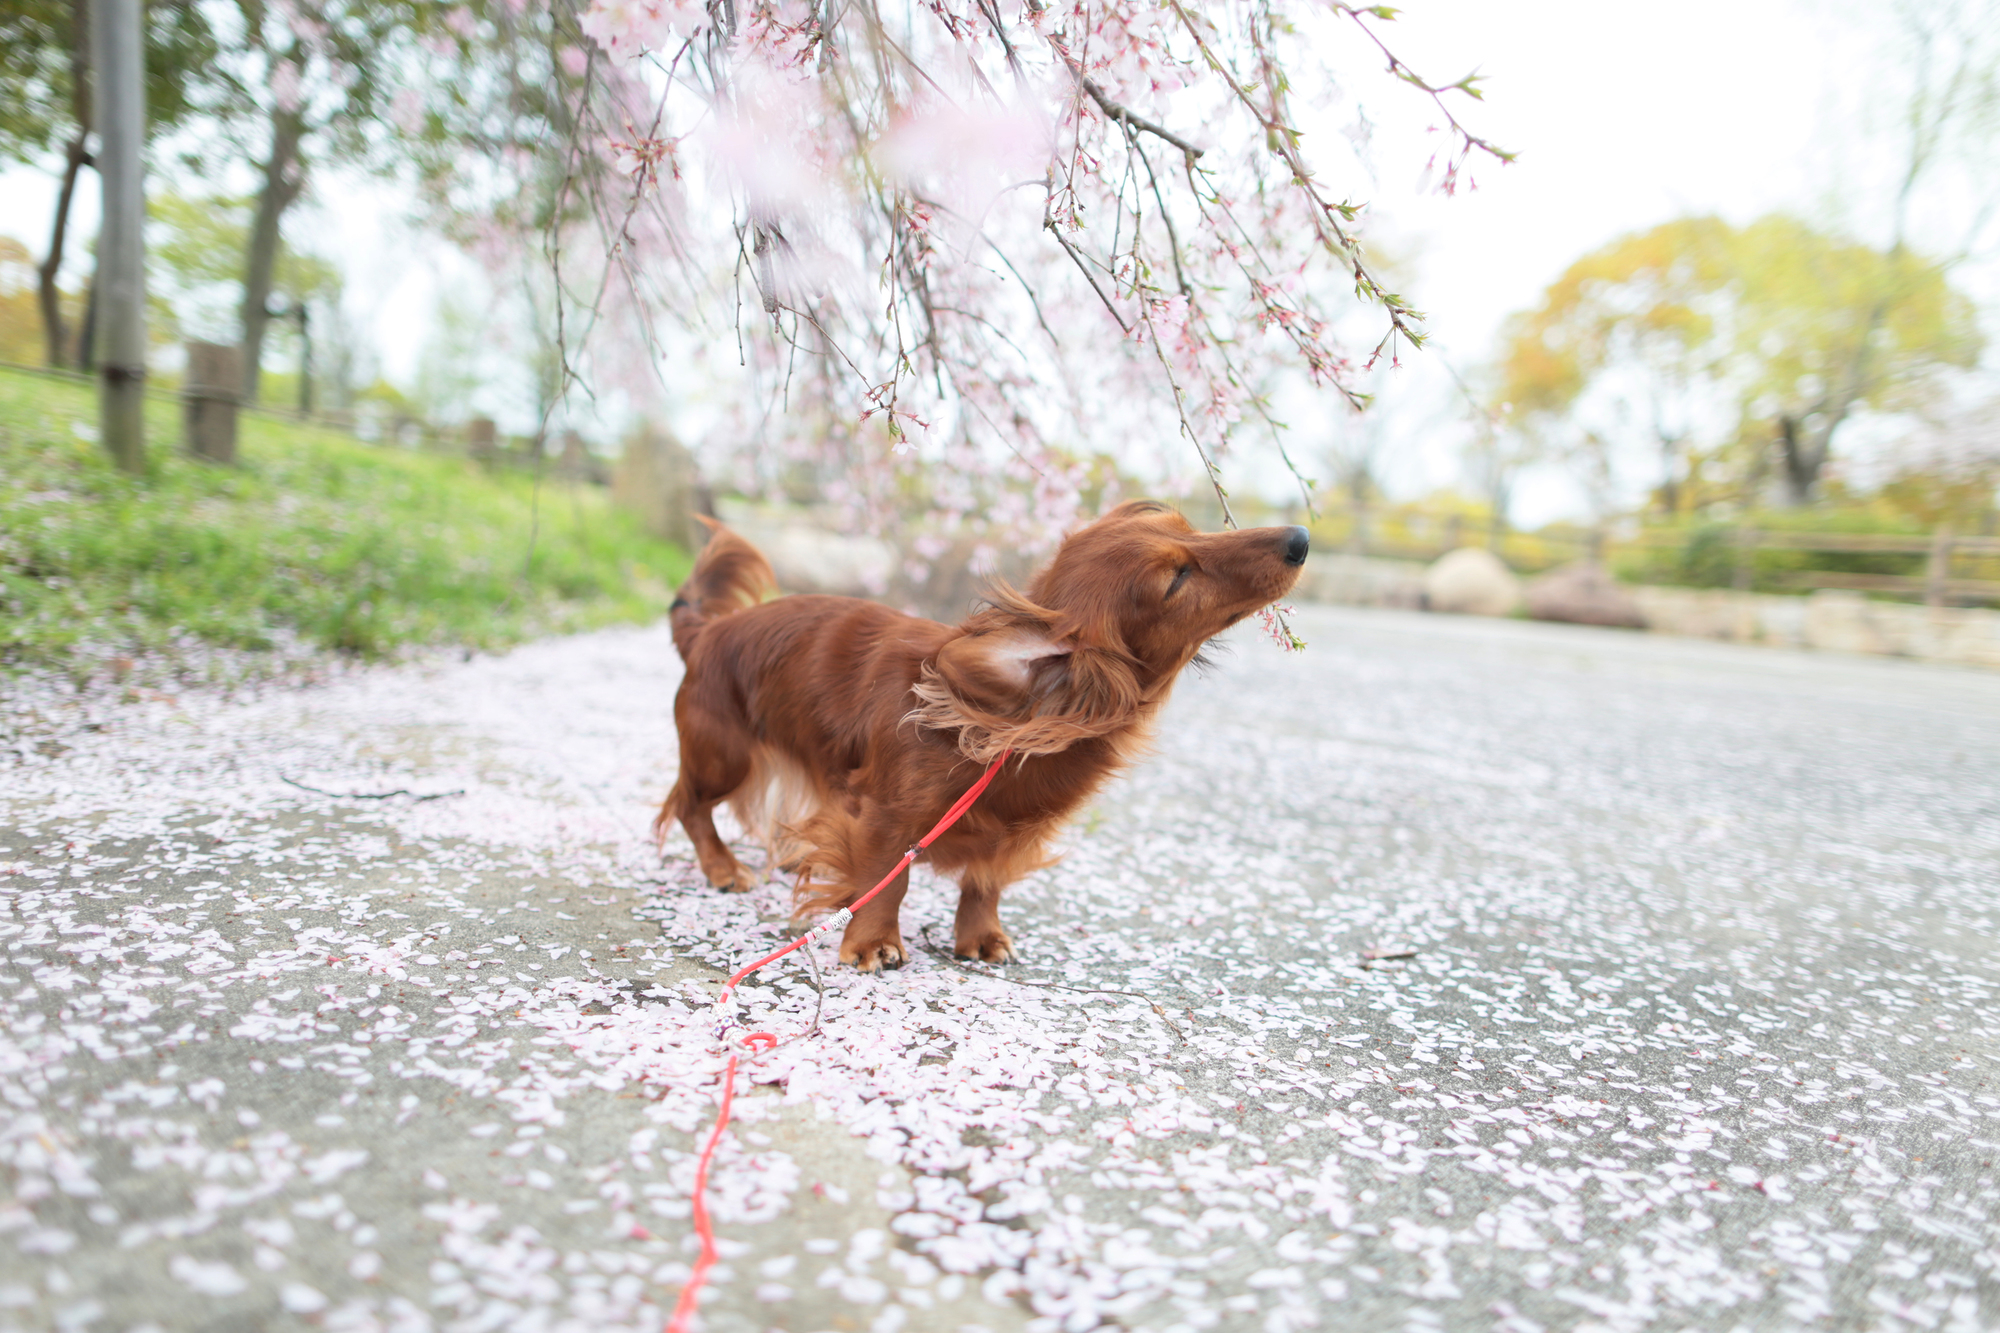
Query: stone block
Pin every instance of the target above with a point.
(482, 439)
(657, 480)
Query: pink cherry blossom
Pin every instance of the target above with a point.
(980, 244)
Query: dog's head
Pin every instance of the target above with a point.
(1102, 631)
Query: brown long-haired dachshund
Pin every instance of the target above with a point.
(841, 730)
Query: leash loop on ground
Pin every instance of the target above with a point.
(683, 1315)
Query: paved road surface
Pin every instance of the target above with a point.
(1697, 1030)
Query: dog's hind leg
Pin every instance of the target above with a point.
(712, 769)
(718, 864)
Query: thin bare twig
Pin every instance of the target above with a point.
(371, 795)
(1131, 119)
(1054, 229)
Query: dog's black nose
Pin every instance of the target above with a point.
(1297, 545)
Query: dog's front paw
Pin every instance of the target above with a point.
(988, 946)
(875, 956)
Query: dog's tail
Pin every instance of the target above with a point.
(729, 575)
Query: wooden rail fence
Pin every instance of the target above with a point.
(1940, 584)
(1936, 585)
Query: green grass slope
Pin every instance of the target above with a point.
(314, 539)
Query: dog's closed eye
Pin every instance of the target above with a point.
(1180, 577)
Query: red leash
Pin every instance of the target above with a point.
(683, 1315)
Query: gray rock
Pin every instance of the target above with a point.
(1471, 581)
(1584, 593)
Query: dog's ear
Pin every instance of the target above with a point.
(996, 670)
(1020, 687)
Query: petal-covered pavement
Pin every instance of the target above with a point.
(1453, 975)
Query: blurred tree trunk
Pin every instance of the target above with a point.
(1803, 451)
(1360, 492)
(1670, 485)
(118, 47)
(1805, 440)
(86, 342)
(1496, 531)
(75, 159)
(284, 181)
(54, 335)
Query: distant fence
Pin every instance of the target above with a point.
(469, 438)
(1394, 536)
(1937, 585)
(1953, 569)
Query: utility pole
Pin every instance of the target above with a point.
(118, 44)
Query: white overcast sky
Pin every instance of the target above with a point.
(1624, 114)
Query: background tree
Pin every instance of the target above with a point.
(195, 248)
(485, 122)
(20, 324)
(1825, 326)
(311, 83)
(1771, 335)
(1499, 449)
(1921, 150)
(1632, 325)
(1356, 456)
(1946, 470)
(45, 106)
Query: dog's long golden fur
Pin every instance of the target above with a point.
(841, 730)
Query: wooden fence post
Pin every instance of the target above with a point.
(481, 440)
(209, 394)
(575, 456)
(1746, 557)
(1937, 577)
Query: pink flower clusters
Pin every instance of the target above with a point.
(985, 245)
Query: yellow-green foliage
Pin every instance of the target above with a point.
(1639, 295)
(1775, 317)
(350, 546)
(20, 310)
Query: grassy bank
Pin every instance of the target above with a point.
(314, 540)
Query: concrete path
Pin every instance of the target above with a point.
(1688, 1019)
